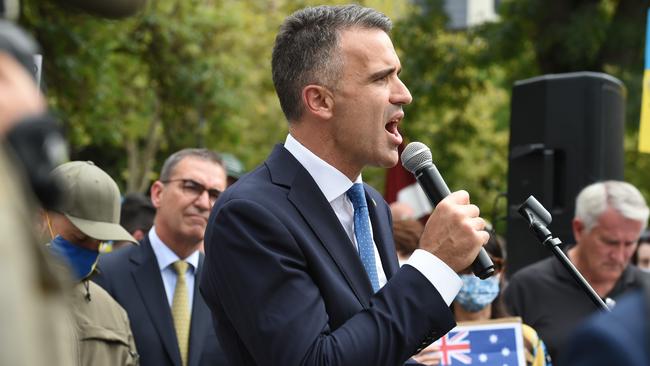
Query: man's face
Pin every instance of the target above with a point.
(608, 247)
(368, 100)
(183, 206)
(61, 225)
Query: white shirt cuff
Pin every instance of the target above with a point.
(441, 276)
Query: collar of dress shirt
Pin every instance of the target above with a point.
(330, 180)
(166, 256)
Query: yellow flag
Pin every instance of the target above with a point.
(644, 130)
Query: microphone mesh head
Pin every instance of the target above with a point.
(415, 156)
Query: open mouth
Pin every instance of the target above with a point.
(393, 130)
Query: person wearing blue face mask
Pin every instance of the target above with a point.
(88, 215)
(480, 300)
(477, 295)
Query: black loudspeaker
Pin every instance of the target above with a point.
(566, 131)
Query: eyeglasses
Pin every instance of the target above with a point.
(195, 189)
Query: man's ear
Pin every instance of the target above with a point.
(318, 101)
(578, 229)
(44, 225)
(156, 193)
(138, 234)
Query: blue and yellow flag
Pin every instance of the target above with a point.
(644, 131)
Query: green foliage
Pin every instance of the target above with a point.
(197, 73)
(537, 37)
(180, 74)
(455, 102)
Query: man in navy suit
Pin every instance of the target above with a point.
(143, 278)
(284, 274)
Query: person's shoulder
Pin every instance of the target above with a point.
(530, 279)
(119, 256)
(96, 306)
(642, 277)
(97, 293)
(255, 190)
(533, 270)
(254, 183)
(108, 301)
(94, 296)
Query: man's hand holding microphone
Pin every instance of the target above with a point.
(454, 232)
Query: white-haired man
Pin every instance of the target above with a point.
(609, 219)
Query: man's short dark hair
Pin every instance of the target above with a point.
(305, 50)
(137, 212)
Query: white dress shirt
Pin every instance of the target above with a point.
(166, 257)
(334, 185)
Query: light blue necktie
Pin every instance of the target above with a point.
(357, 196)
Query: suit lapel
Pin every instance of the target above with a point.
(383, 237)
(199, 325)
(152, 290)
(307, 198)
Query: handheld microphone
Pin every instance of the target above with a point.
(416, 158)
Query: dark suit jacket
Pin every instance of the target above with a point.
(621, 337)
(288, 287)
(132, 276)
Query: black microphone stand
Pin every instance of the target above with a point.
(538, 218)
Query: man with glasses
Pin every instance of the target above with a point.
(156, 282)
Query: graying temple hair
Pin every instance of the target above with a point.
(204, 154)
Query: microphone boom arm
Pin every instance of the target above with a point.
(539, 218)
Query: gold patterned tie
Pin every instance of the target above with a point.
(180, 310)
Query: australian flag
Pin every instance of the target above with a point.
(485, 344)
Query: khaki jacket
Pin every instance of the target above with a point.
(102, 328)
(34, 312)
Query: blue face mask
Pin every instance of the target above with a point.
(476, 293)
(81, 260)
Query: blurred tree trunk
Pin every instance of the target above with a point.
(140, 162)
